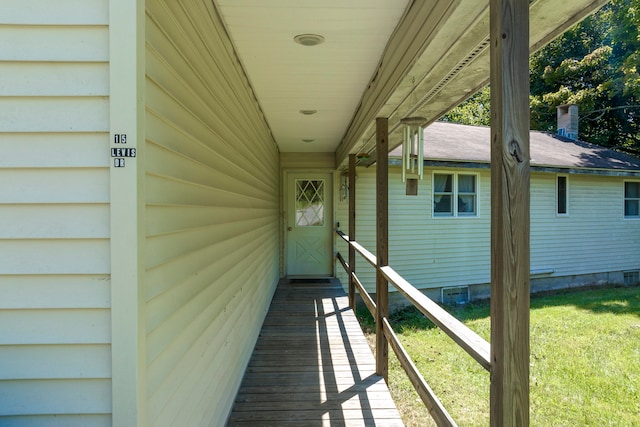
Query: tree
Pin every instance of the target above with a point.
(595, 65)
(626, 44)
(475, 111)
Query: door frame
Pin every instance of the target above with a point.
(284, 206)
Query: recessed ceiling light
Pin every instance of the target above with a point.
(309, 39)
(308, 140)
(308, 112)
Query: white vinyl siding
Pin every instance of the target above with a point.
(438, 252)
(55, 335)
(594, 239)
(212, 203)
(427, 251)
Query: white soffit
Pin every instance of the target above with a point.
(453, 65)
(330, 77)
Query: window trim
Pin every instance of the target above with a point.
(624, 200)
(454, 199)
(566, 195)
(324, 203)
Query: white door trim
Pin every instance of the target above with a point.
(287, 175)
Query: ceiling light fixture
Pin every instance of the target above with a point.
(309, 39)
(308, 112)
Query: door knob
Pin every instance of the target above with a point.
(289, 228)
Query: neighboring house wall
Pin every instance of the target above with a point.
(55, 361)
(212, 194)
(592, 243)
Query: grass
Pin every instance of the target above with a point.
(584, 360)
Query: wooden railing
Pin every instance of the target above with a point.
(471, 342)
(368, 301)
(507, 357)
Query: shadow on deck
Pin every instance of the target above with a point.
(312, 365)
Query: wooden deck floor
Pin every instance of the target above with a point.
(312, 366)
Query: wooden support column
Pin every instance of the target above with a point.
(352, 230)
(510, 187)
(382, 243)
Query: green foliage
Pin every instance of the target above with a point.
(475, 111)
(596, 65)
(593, 65)
(626, 45)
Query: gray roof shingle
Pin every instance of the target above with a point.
(463, 143)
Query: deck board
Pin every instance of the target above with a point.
(312, 366)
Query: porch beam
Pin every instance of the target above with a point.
(382, 244)
(418, 27)
(510, 187)
(352, 230)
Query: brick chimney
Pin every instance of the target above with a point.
(568, 120)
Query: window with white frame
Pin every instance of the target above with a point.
(455, 194)
(632, 199)
(562, 195)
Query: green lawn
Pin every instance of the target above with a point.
(585, 360)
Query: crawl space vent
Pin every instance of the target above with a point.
(456, 295)
(631, 277)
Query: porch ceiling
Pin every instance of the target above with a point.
(380, 58)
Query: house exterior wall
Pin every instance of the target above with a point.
(212, 217)
(593, 238)
(428, 252)
(211, 242)
(55, 357)
(592, 243)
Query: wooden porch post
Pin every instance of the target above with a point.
(382, 243)
(352, 229)
(510, 213)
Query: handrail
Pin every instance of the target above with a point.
(430, 400)
(342, 235)
(471, 342)
(368, 256)
(344, 263)
(368, 301)
(366, 298)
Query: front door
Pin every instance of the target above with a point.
(309, 224)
